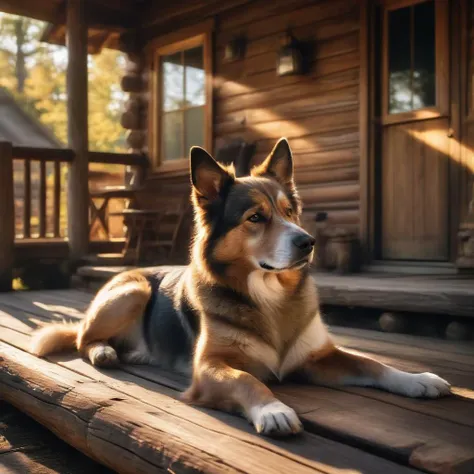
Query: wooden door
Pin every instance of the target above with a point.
(415, 123)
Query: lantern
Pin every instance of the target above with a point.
(290, 58)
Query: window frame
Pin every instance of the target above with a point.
(441, 109)
(170, 44)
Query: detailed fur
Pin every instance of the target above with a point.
(245, 310)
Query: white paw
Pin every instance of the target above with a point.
(275, 419)
(103, 356)
(425, 385)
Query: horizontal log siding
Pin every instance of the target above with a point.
(317, 112)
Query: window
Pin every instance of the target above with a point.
(183, 85)
(412, 59)
(182, 100)
(415, 55)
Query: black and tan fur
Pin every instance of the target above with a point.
(245, 311)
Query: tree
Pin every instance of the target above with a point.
(19, 36)
(106, 101)
(35, 73)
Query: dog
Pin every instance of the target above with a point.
(244, 312)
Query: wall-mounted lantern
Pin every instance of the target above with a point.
(290, 57)
(235, 49)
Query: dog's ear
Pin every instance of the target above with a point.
(207, 176)
(279, 163)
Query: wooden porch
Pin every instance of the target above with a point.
(131, 419)
(435, 293)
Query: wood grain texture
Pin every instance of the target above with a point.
(77, 109)
(415, 190)
(158, 433)
(132, 417)
(423, 295)
(318, 111)
(26, 446)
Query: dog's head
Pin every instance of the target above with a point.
(251, 222)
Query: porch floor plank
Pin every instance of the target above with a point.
(131, 419)
(26, 446)
(438, 294)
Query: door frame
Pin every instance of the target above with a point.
(370, 120)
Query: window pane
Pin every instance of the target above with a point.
(195, 77)
(399, 57)
(424, 60)
(172, 72)
(194, 119)
(172, 135)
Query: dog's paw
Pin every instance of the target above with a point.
(275, 419)
(104, 356)
(425, 385)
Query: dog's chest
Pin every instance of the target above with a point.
(268, 360)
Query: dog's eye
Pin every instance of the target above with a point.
(289, 212)
(256, 218)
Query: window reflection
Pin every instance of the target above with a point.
(411, 52)
(183, 102)
(195, 77)
(173, 97)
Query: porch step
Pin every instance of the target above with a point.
(432, 294)
(108, 259)
(92, 277)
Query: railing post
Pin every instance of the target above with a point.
(7, 217)
(78, 185)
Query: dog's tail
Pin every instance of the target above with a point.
(54, 338)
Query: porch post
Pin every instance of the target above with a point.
(78, 186)
(7, 217)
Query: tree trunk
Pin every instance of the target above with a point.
(20, 67)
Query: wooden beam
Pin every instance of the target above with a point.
(130, 159)
(27, 199)
(111, 16)
(57, 199)
(43, 154)
(78, 186)
(42, 200)
(7, 217)
(364, 164)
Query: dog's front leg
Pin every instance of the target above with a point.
(218, 385)
(341, 367)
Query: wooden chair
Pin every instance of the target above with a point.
(99, 212)
(153, 223)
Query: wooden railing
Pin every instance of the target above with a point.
(42, 156)
(57, 157)
(47, 230)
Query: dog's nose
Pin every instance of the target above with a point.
(304, 242)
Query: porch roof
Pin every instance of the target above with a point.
(106, 19)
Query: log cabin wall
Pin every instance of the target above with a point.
(318, 112)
